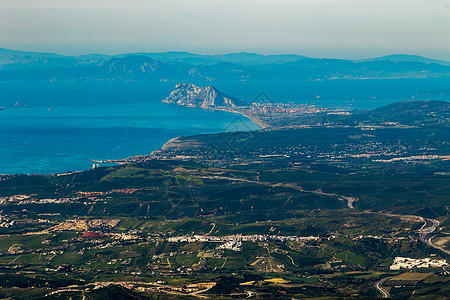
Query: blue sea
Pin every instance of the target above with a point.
(56, 127)
(53, 128)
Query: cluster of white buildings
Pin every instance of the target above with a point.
(5, 221)
(409, 158)
(14, 198)
(239, 237)
(231, 245)
(410, 263)
(26, 199)
(234, 242)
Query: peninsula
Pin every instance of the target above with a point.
(209, 97)
(262, 110)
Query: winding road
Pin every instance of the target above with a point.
(426, 230)
(429, 226)
(378, 286)
(349, 200)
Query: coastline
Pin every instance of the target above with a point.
(176, 139)
(257, 121)
(170, 142)
(254, 119)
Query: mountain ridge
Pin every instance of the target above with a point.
(184, 66)
(227, 57)
(139, 67)
(410, 58)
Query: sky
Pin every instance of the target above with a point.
(316, 28)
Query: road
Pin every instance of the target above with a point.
(292, 261)
(425, 232)
(429, 226)
(349, 200)
(378, 286)
(213, 226)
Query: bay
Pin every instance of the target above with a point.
(48, 128)
(55, 127)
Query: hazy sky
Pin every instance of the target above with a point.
(318, 28)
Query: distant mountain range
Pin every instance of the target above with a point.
(144, 67)
(410, 58)
(206, 97)
(176, 66)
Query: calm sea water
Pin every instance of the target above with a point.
(61, 128)
(58, 127)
